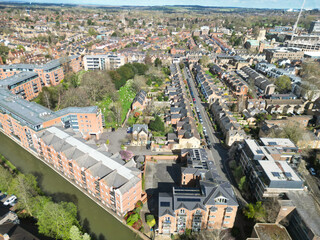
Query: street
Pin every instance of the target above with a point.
(218, 153)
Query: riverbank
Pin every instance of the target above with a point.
(100, 224)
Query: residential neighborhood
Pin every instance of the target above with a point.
(159, 122)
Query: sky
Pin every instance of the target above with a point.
(284, 4)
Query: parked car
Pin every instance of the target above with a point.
(10, 200)
(13, 203)
(209, 146)
(312, 171)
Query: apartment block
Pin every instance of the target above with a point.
(109, 179)
(204, 201)
(267, 169)
(22, 119)
(103, 62)
(50, 74)
(272, 55)
(24, 84)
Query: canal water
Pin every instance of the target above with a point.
(100, 224)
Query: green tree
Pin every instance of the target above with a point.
(20, 47)
(25, 187)
(56, 219)
(204, 61)
(75, 234)
(157, 62)
(92, 32)
(242, 183)
(4, 50)
(133, 218)
(157, 125)
(150, 220)
(255, 211)
(5, 179)
(283, 84)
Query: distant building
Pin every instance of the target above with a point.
(272, 55)
(315, 27)
(103, 62)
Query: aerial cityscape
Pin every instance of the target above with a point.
(186, 120)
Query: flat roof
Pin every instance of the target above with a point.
(278, 171)
(271, 231)
(283, 142)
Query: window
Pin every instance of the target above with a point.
(198, 212)
(182, 211)
(226, 222)
(220, 199)
(227, 217)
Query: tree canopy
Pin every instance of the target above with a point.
(283, 84)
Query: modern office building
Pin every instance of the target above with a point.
(204, 200)
(266, 167)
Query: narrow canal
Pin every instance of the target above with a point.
(99, 223)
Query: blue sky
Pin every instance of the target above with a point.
(230, 3)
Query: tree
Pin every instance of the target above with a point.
(283, 84)
(148, 59)
(5, 179)
(150, 220)
(255, 211)
(156, 125)
(25, 187)
(133, 218)
(20, 47)
(92, 32)
(56, 219)
(157, 62)
(75, 234)
(204, 60)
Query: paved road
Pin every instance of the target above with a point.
(218, 152)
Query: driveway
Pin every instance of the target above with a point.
(160, 176)
(116, 139)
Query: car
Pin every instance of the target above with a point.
(209, 146)
(208, 142)
(198, 110)
(312, 171)
(13, 203)
(10, 200)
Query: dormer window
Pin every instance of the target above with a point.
(182, 211)
(221, 199)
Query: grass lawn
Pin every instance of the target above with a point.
(126, 96)
(209, 73)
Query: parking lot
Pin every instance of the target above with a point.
(160, 176)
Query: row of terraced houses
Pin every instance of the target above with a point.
(57, 136)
